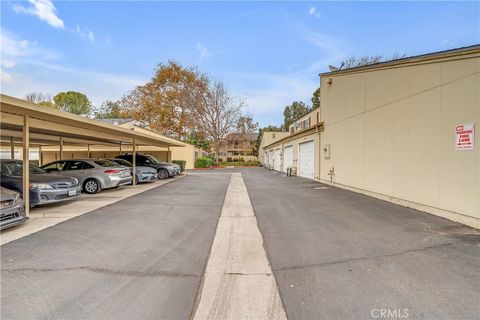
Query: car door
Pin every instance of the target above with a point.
(77, 169)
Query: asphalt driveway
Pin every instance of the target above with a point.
(335, 254)
(140, 258)
(341, 255)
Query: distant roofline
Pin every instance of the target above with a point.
(412, 59)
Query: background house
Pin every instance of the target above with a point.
(239, 145)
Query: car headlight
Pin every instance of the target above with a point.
(75, 179)
(8, 203)
(40, 186)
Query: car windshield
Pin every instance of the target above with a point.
(123, 162)
(106, 163)
(11, 169)
(152, 159)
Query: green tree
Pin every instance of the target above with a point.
(109, 110)
(73, 102)
(293, 112)
(198, 140)
(316, 99)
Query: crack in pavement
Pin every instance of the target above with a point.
(109, 272)
(247, 274)
(330, 263)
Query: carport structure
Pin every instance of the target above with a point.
(33, 125)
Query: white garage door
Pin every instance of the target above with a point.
(306, 157)
(270, 164)
(276, 159)
(287, 157)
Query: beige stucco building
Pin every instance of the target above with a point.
(390, 132)
(298, 148)
(268, 137)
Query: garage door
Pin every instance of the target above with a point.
(287, 157)
(306, 157)
(270, 164)
(276, 157)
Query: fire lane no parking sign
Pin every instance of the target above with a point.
(464, 137)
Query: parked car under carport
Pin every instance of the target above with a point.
(93, 175)
(45, 187)
(164, 169)
(143, 174)
(12, 208)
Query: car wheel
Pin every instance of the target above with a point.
(162, 174)
(91, 186)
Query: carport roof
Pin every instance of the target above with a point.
(48, 125)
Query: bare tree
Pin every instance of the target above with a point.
(353, 62)
(218, 116)
(37, 97)
(245, 128)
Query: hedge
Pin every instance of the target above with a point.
(203, 162)
(181, 163)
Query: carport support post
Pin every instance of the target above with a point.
(169, 156)
(26, 164)
(120, 147)
(134, 161)
(61, 148)
(40, 156)
(12, 149)
(88, 151)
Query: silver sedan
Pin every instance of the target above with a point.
(142, 174)
(93, 175)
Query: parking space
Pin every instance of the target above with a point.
(142, 257)
(42, 217)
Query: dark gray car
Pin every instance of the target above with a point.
(164, 169)
(12, 208)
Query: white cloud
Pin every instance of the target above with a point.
(202, 49)
(330, 50)
(85, 33)
(43, 9)
(8, 63)
(12, 47)
(53, 78)
(35, 69)
(268, 93)
(5, 77)
(314, 12)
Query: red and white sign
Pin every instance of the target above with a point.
(464, 137)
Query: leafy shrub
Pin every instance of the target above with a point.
(241, 160)
(229, 159)
(203, 162)
(181, 163)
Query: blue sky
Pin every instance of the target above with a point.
(267, 52)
